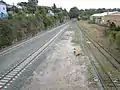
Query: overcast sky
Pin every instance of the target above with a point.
(81, 4)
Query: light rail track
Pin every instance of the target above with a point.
(7, 78)
(95, 44)
(9, 50)
(115, 63)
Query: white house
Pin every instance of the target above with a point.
(3, 10)
(50, 12)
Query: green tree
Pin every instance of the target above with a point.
(33, 2)
(112, 26)
(54, 8)
(118, 39)
(61, 17)
(74, 12)
(37, 13)
(6, 36)
(25, 4)
(47, 20)
(43, 10)
(65, 13)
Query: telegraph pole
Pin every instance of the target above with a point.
(13, 8)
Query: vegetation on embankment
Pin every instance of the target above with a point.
(110, 30)
(25, 23)
(113, 33)
(104, 35)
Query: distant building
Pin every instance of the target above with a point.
(9, 9)
(9, 6)
(50, 12)
(102, 18)
(3, 10)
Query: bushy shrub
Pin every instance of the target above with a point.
(117, 28)
(117, 41)
(10, 16)
(112, 26)
(61, 17)
(6, 36)
(22, 25)
(114, 33)
(48, 20)
(112, 36)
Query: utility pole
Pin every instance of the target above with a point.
(13, 8)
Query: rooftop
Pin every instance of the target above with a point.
(2, 2)
(105, 13)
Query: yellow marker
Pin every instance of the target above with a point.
(77, 52)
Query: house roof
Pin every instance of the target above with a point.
(116, 14)
(9, 6)
(2, 2)
(19, 7)
(105, 13)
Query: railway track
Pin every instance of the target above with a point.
(93, 67)
(27, 41)
(112, 84)
(115, 63)
(7, 78)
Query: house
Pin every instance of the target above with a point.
(3, 10)
(50, 12)
(9, 9)
(96, 17)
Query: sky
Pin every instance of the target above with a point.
(81, 4)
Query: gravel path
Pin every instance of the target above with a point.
(61, 70)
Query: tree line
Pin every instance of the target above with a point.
(28, 21)
(32, 18)
(86, 13)
(112, 30)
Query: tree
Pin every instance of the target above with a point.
(6, 36)
(65, 12)
(74, 12)
(43, 10)
(47, 21)
(118, 39)
(27, 7)
(33, 2)
(61, 17)
(54, 6)
(22, 4)
(15, 9)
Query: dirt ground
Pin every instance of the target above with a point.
(95, 31)
(97, 34)
(61, 70)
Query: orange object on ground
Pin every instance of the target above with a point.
(77, 52)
